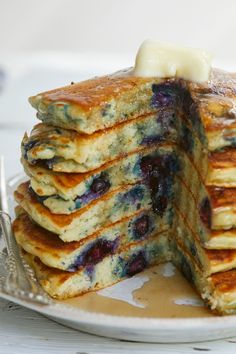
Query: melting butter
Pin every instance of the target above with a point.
(165, 60)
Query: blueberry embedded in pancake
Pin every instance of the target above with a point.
(71, 256)
(60, 284)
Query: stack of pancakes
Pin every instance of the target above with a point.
(127, 172)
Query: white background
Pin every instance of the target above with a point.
(117, 26)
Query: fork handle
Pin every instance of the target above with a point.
(15, 268)
(19, 275)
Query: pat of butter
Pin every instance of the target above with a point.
(165, 60)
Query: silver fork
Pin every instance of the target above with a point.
(20, 280)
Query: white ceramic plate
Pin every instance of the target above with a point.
(138, 329)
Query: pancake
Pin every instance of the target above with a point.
(218, 115)
(191, 242)
(192, 202)
(107, 210)
(222, 168)
(217, 290)
(223, 201)
(221, 260)
(46, 182)
(71, 256)
(55, 253)
(222, 239)
(98, 103)
(74, 191)
(223, 296)
(208, 209)
(113, 206)
(202, 222)
(67, 151)
(165, 160)
(60, 284)
(125, 170)
(208, 261)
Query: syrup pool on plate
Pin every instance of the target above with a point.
(159, 292)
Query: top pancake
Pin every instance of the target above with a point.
(96, 104)
(105, 101)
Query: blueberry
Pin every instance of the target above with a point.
(147, 164)
(187, 102)
(98, 251)
(159, 204)
(106, 109)
(158, 183)
(173, 163)
(205, 212)
(57, 131)
(193, 249)
(164, 95)
(191, 111)
(28, 146)
(141, 226)
(50, 162)
(136, 265)
(231, 140)
(39, 198)
(89, 270)
(159, 172)
(187, 141)
(100, 185)
(150, 140)
(133, 196)
(167, 120)
(193, 114)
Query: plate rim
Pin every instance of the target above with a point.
(69, 313)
